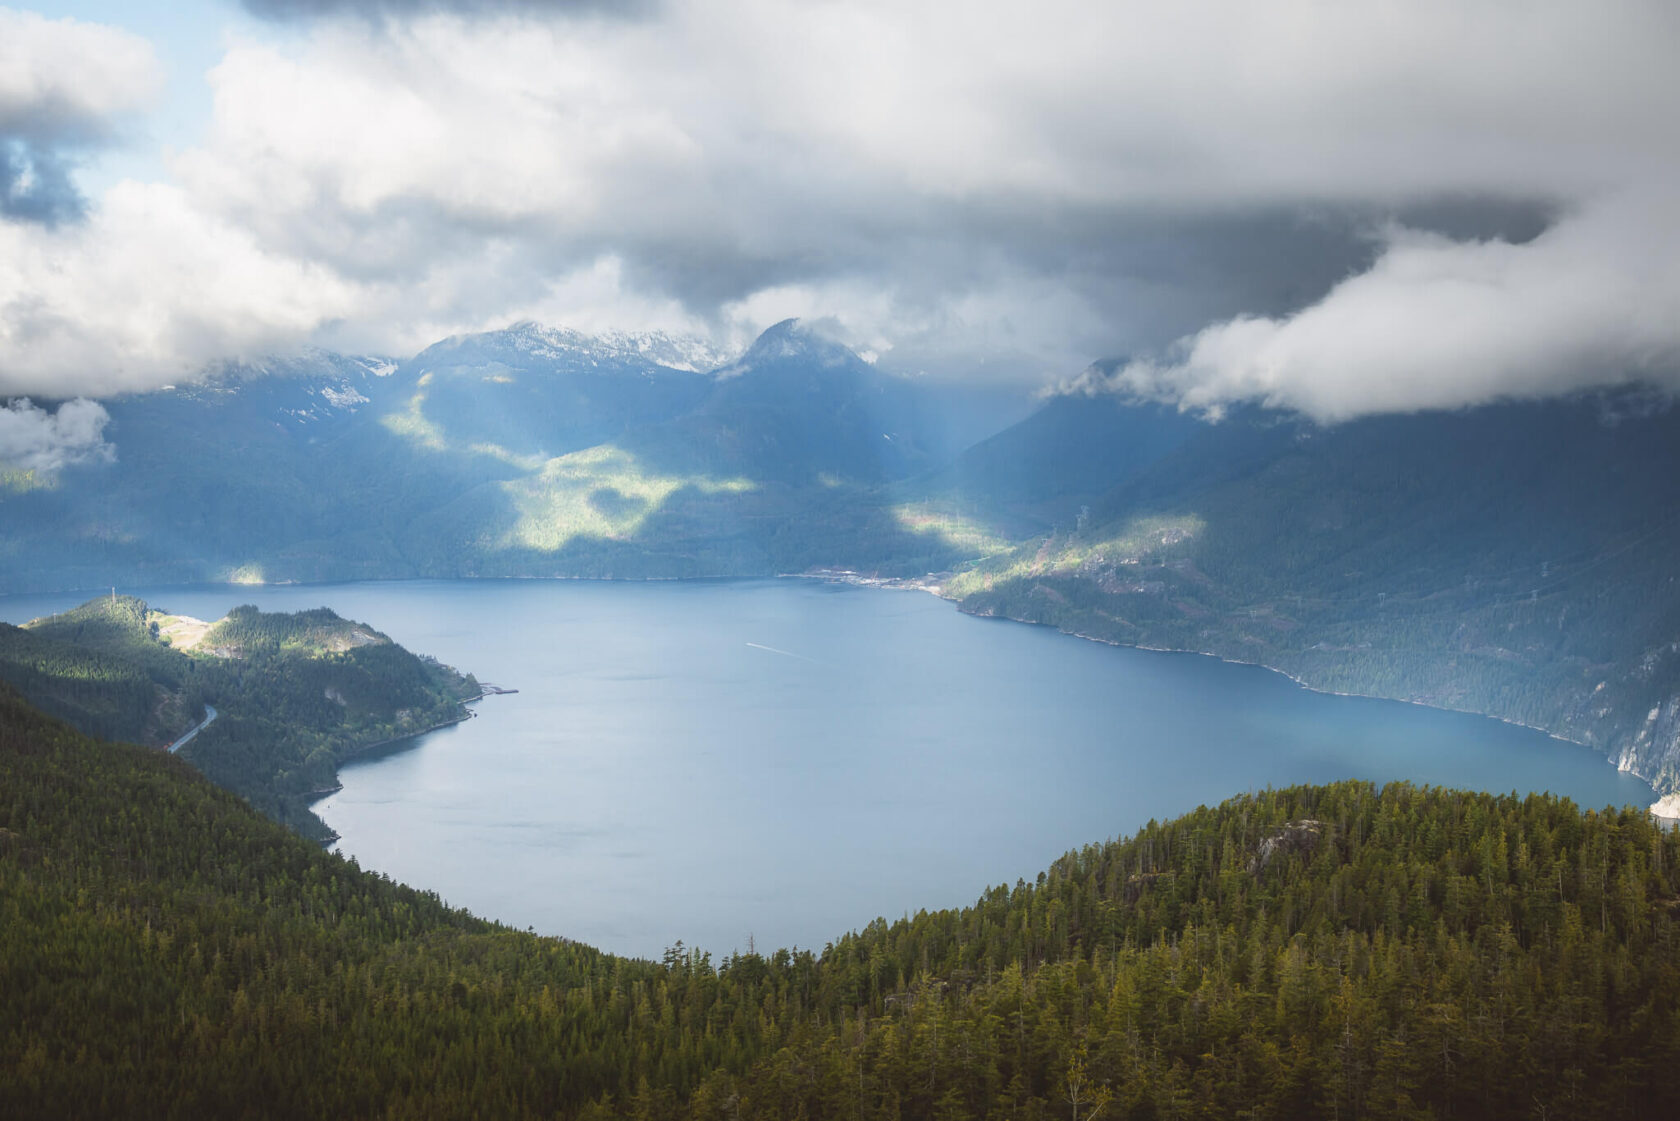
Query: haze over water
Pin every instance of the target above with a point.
(782, 761)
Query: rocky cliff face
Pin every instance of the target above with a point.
(1633, 716)
(1653, 753)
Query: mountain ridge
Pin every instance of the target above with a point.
(1508, 559)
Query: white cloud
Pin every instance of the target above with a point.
(35, 440)
(990, 329)
(65, 87)
(146, 291)
(1594, 300)
(66, 76)
(956, 186)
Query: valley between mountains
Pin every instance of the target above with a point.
(1324, 950)
(1512, 559)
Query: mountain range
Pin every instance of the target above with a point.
(1512, 559)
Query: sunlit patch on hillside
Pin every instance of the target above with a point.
(183, 632)
(247, 574)
(956, 530)
(1101, 554)
(1140, 541)
(602, 492)
(15, 481)
(508, 456)
(413, 425)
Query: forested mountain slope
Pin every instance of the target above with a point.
(1314, 952)
(294, 694)
(1042, 470)
(101, 667)
(1515, 560)
(522, 452)
(1512, 559)
(536, 391)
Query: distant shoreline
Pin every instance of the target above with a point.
(933, 583)
(312, 796)
(466, 715)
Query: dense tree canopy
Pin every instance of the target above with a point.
(1334, 951)
(294, 693)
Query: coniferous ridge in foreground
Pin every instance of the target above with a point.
(1320, 951)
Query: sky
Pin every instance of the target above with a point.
(1341, 207)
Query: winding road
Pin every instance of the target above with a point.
(209, 715)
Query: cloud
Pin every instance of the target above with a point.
(147, 290)
(385, 9)
(64, 88)
(35, 440)
(35, 184)
(1438, 323)
(986, 189)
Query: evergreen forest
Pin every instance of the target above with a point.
(1342, 951)
(293, 694)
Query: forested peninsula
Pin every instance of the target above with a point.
(294, 693)
(1337, 951)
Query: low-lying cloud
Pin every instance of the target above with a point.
(1435, 323)
(33, 439)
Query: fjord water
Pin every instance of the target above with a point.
(782, 761)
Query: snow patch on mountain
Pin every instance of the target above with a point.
(343, 398)
(676, 352)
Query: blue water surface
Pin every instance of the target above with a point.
(781, 761)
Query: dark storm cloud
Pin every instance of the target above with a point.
(1145, 278)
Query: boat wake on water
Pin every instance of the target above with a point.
(783, 653)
